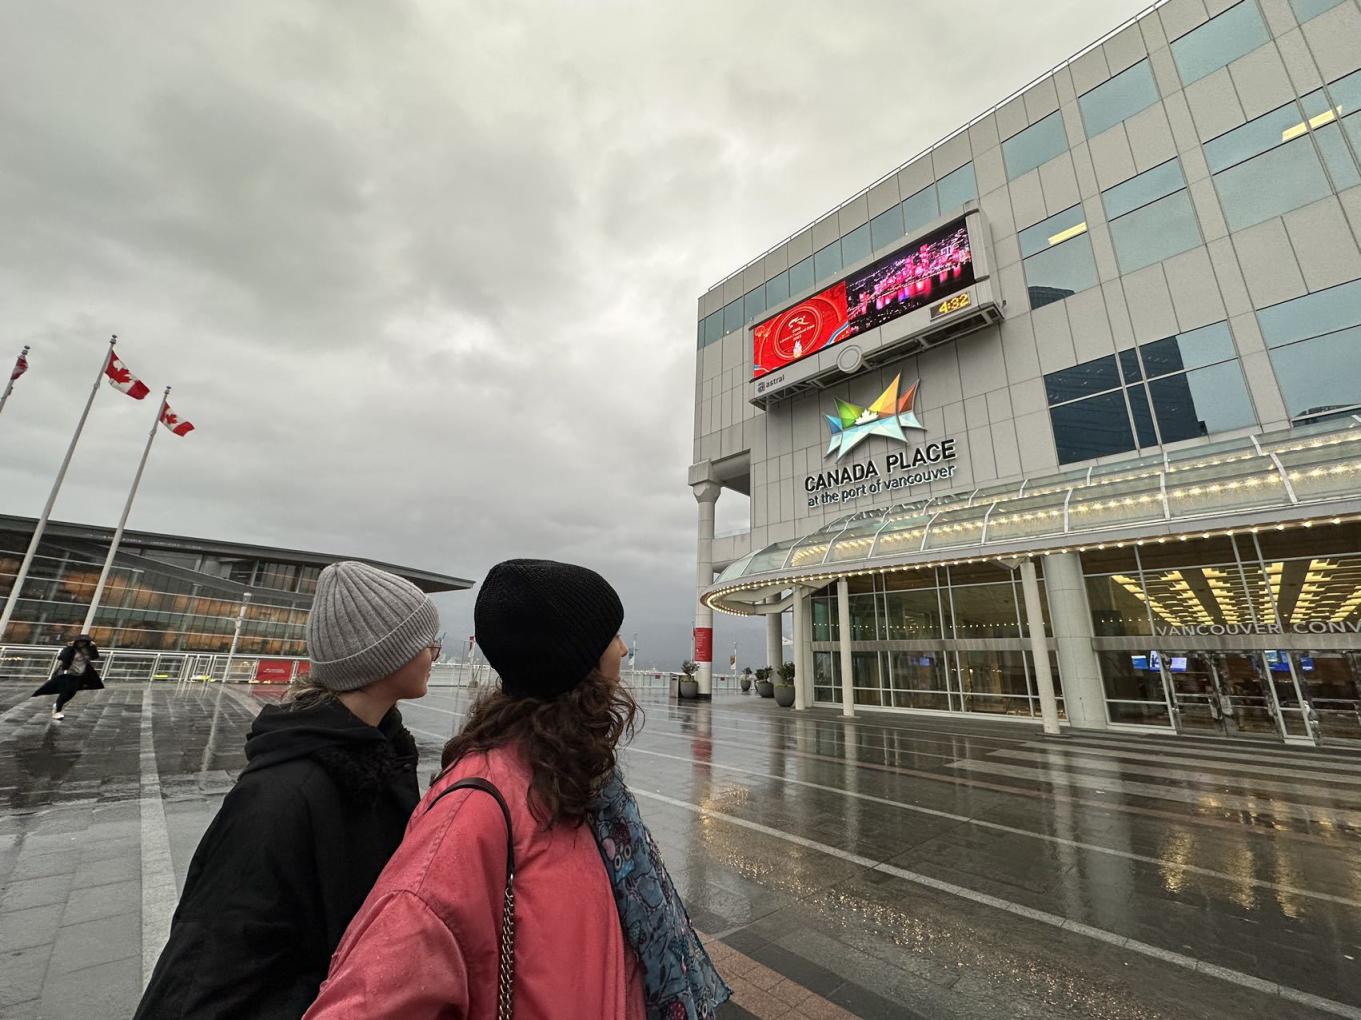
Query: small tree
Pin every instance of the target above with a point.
(689, 667)
(786, 675)
(763, 674)
(746, 671)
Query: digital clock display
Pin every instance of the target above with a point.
(951, 304)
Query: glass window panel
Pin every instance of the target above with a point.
(1082, 380)
(713, 329)
(801, 276)
(1117, 605)
(1144, 432)
(1037, 144)
(1202, 402)
(913, 614)
(1094, 427)
(985, 610)
(1060, 272)
(1271, 184)
(994, 682)
(864, 619)
(956, 188)
(1126, 676)
(1320, 375)
(732, 318)
(1346, 93)
(1220, 41)
(1155, 232)
(1147, 187)
(1323, 312)
(920, 209)
(887, 227)
(1123, 96)
(777, 290)
(919, 679)
(1195, 349)
(827, 262)
(1306, 9)
(827, 677)
(856, 245)
(1129, 365)
(754, 303)
(1255, 137)
(1337, 157)
(866, 679)
(1055, 230)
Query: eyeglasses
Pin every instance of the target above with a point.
(436, 647)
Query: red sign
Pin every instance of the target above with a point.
(704, 644)
(797, 332)
(274, 671)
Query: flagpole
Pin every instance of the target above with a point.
(13, 599)
(9, 387)
(122, 521)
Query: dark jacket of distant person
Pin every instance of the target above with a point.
(285, 865)
(63, 680)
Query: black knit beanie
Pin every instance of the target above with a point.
(543, 626)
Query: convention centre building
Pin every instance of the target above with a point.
(167, 593)
(1061, 419)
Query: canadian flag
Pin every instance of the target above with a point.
(121, 379)
(20, 367)
(175, 423)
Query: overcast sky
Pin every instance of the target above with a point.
(424, 274)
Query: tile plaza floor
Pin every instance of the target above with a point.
(887, 867)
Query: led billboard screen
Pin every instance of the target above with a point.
(913, 277)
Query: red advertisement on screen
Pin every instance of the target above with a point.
(808, 327)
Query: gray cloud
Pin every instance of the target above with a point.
(425, 274)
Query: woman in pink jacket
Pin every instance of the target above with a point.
(574, 916)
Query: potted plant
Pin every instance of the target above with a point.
(784, 686)
(745, 681)
(763, 685)
(689, 686)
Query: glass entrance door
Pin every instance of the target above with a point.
(1222, 693)
(1332, 683)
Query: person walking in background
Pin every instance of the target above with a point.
(329, 785)
(590, 926)
(75, 672)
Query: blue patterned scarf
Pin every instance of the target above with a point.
(678, 976)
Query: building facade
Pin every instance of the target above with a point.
(1061, 420)
(167, 593)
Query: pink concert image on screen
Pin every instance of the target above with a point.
(910, 278)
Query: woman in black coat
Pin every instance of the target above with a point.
(328, 788)
(75, 672)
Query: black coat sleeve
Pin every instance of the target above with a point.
(238, 944)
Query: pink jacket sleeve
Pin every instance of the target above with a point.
(386, 966)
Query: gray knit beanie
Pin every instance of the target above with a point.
(365, 624)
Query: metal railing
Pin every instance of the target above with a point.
(35, 663)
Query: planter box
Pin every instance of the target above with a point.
(765, 688)
(784, 696)
(689, 689)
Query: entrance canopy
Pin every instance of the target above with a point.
(1297, 475)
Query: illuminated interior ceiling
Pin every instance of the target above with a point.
(1305, 474)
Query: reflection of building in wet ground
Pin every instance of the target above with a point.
(886, 866)
(1148, 375)
(171, 602)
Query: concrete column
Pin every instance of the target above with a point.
(1039, 646)
(843, 615)
(774, 640)
(706, 493)
(801, 658)
(1071, 616)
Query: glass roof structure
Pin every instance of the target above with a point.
(1288, 475)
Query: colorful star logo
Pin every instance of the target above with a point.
(887, 416)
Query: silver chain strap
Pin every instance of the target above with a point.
(506, 979)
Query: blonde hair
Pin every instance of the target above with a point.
(304, 692)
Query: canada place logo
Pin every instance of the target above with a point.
(887, 416)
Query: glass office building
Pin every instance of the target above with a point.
(167, 592)
(1105, 441)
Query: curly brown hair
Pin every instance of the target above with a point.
(569, 742)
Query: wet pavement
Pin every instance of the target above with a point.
(890, 866)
